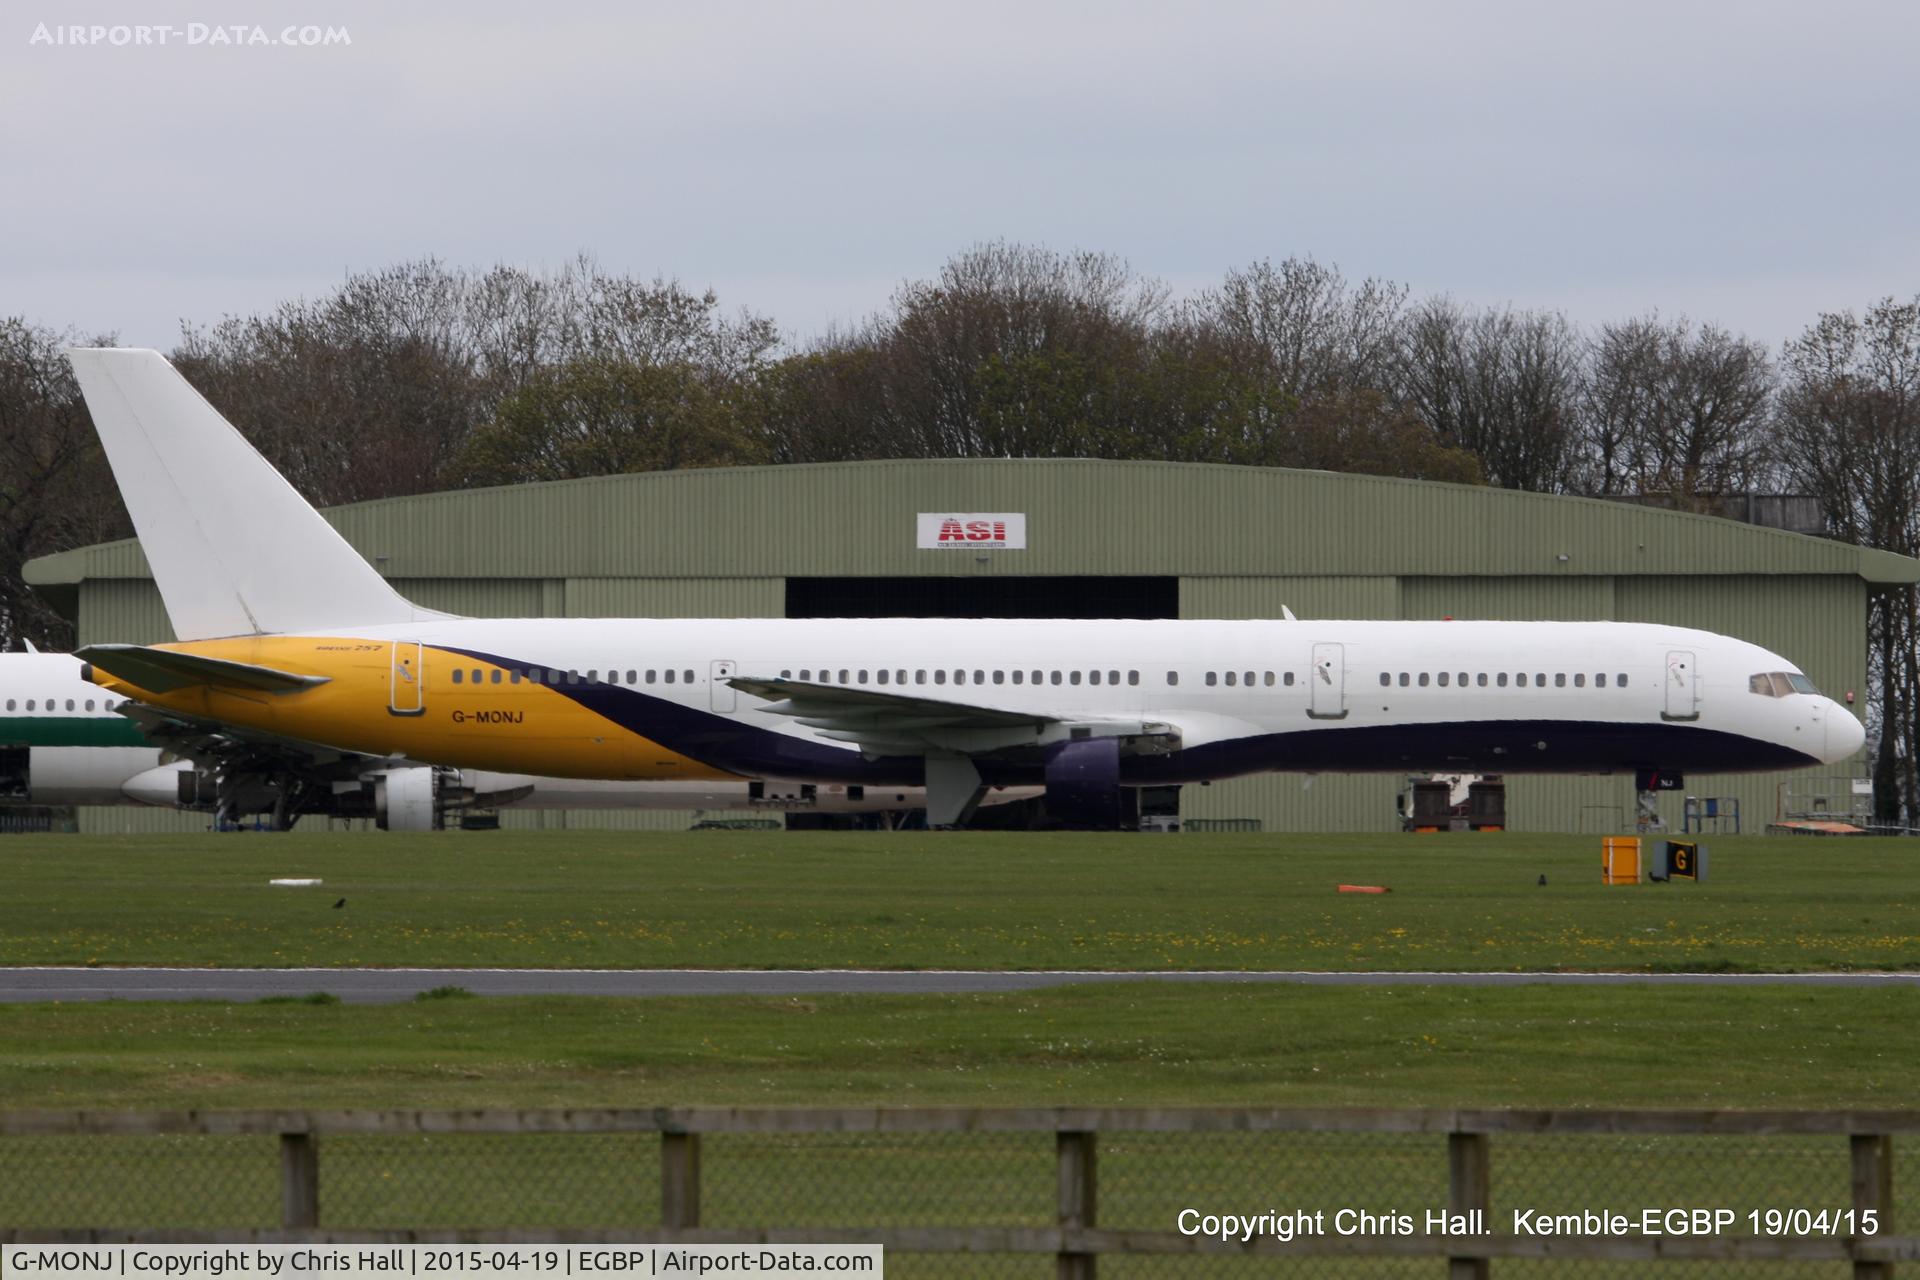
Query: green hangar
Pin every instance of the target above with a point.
(1076, 538)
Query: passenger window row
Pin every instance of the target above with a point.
(1499, 679)
(1234, 678)
(544, 675)
(959, 675)
(53, 704)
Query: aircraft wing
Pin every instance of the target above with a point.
(885, 723)
(215, 745)
(164, 670)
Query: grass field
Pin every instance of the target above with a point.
(925, 900)
(1135, 1044)
(928, 900)
(1131, 1045)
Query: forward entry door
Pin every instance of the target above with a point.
(1327, 683)
(723, 694)
(407, 694)
(1683, 687)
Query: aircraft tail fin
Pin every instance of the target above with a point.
(234, 548)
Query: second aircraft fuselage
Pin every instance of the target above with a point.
(619, 699)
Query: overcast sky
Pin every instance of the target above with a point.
(1750, 164)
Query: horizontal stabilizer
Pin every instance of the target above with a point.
(164, 670)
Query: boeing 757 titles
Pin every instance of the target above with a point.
(285, 630)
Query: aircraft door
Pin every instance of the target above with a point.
(1683, 687)
(407, 694)
(1327, 683)
(723, 694)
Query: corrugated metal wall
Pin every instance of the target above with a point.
(676, 597)
(1242, 541)
(1082, 517)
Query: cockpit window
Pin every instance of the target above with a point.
(1779, 684)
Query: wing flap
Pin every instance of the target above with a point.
(165, 670)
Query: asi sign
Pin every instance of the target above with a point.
(973, 531)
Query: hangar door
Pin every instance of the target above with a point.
(981, 597)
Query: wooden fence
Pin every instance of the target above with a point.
(1076, 1240)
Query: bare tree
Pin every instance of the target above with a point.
(1674, 410)
(1313, 334)
(55, 489)
(990, 315)
(1502, 385)
(1849, 429)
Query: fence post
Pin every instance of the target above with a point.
(299, 1181)
(1873, 1189)
(1467, 1190)
(680, 1180)
(1077, 1152)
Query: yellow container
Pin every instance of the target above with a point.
(1620, 859)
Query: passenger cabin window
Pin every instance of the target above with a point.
(1424, 679)
(1212, 679)
(1501, 679)
(1620, 679)
(1405, 680)
(1133, 677)
(1579, 679)
(1019, 677)
(1073, 677)
(1559, 679)
(458, 675)
(1481, 680)
(1600, 680)
(1230, 679)
(1173, 678)
(1443, 679)
(940, 676)
(1385, 680)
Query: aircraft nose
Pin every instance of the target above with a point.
(1845, 734)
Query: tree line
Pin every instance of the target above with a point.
(425, 376)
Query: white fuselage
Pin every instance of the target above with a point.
(1241, 696)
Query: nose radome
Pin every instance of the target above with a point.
(1845, 734)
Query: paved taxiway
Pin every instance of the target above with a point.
(375, 986)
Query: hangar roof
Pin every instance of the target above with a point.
(1082, 517)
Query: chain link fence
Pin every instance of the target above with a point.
(983, 1193)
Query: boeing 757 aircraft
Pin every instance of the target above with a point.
(285, 630)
